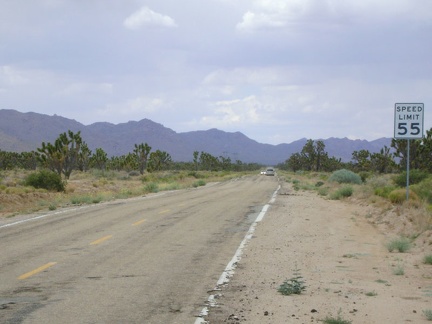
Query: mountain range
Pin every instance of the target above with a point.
(24, 132)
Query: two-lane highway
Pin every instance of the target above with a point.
(146, 260)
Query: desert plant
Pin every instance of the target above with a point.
(295, 285)
(346, 191)
(336, 320)
(199, 183)
(427, 259)
(345, 176)
(428, 314)
(401, 244)
(152, 187)
(45, 179)
(371, 293)
(384, 191)
(415, 176)
(398, 196)
(399, 270)
(424, 190)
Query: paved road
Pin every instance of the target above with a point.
(146, 260)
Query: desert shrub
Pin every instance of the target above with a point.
(383, 191)
(45, 179)
(428, 314)
(292, 286)
(319, 184)
(199, 183)
(81, 200)
(401, 244)
(399, 270)
(364, 175)
(323, 191)
(196, 174)
(343, 192)
(133, 174)
(424, 190)
(398, 196)
(151, 187)
(345, 176)
(427, 259)
(415, 176)
(336, 320)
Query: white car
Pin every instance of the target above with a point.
(270, 172)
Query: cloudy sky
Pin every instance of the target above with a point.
(275, 70)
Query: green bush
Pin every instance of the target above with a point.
(45, 179)
(427, 259)
(152, 187)
(343, 192)
(292, 286)
(424, 190)
(398, 196)
(384, 191)
(345, 176)
(415, 176)
(400, 244)
(199, 183)
(428, 314)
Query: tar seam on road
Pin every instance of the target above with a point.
(229, 270)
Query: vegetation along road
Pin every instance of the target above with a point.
(145, 260)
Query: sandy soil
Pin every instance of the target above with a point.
(339, 251)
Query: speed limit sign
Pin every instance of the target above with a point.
(408, 120)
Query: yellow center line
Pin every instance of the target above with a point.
(35, 271)
(103, 239)
(164, 211)
(139, 222)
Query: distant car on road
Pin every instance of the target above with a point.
(270, 172)
(263, 172)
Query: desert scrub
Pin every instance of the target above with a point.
(295, 285)
(398, 196)
(152, 187)
(428, 314)
(336, 320)
(343, 192)
(384, 191)
(424, 190)
(45, 179)
(345, 176)
(398, 270)
(401, 245)
(371, 293)
(427, 259)
(415, 176)
(199, 183)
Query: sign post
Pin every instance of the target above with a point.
(408, 124)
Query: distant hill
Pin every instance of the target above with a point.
(20, 132)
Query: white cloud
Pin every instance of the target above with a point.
(147, 17)
(230, 113)
(282, 13)
(10, 76)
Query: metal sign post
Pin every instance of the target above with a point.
(408, 124)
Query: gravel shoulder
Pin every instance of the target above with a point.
(341, 256)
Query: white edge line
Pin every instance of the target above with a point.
(232, 265)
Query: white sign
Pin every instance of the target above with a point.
(408, 122)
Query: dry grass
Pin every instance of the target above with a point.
(94, 187)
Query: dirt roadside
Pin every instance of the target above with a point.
(340, 254)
